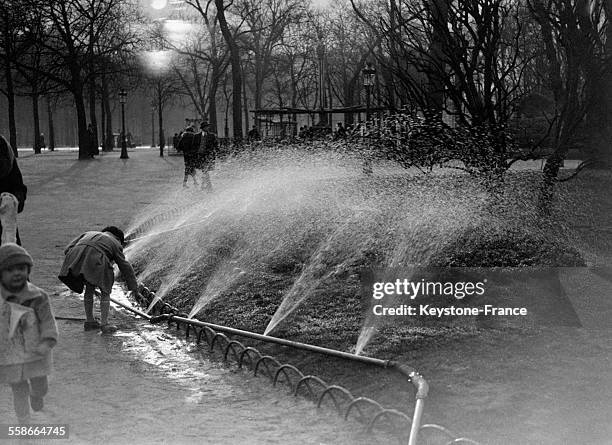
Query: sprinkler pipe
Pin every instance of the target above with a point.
(417, 380)
(129, 308)
(280, 341)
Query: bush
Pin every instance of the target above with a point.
(507, 247)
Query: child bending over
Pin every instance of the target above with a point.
(88, 263)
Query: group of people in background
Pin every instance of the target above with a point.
(341, 132)
(199, 150)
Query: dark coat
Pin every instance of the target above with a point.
(11, 180)
(207, 145)
(186, 143)
(89, 259)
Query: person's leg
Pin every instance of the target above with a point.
(194, 174)
(104, 310)
(21, 402)
(189, 170)
(206, 184)
(39, 386)
(186, 173)
(104, 307)
(91, 324)
(88, 302)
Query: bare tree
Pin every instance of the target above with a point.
(266, 23)
(11, 15)
(67, 40)
(577, 54)
(230, 39)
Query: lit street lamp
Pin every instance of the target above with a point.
(122, 100)
(369, 74)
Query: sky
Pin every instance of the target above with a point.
(320, 3)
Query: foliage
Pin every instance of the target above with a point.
(508, 247)
(485, 152)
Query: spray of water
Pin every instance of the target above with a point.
(305, 214)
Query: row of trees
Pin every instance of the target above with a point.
(59, 49)
(478, 61)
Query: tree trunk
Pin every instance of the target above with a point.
(10, 96)
(103, 124)
(258, 81)
(236, 71)
(51, 126)
(212, 97)
(439, 18)
(160, 116)
(549, 176)
(84, 151)
(109, 142)
(92, 111)
(246, 107)
(349, 98)
(36, 116)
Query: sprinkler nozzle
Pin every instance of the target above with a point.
(159, 318)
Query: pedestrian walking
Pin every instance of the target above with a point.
(88, 264)
(189, 147)
(28, 332)
(207, 144)
(13, 193)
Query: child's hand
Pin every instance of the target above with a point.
(43, 347)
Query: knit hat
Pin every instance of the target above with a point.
(11, 255)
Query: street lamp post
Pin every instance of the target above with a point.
(369, 74)
(122, 100)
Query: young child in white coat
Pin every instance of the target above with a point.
(27, 332)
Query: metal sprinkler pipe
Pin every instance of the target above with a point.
(129, 308)
(284, 342)
(417, 380)
(422, 388)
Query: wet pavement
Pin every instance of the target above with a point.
(142, 384)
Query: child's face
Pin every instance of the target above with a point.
(14, 278)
